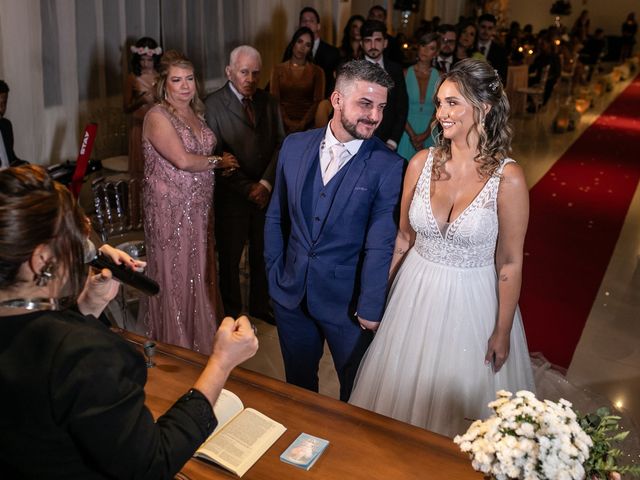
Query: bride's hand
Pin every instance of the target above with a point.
(497, 350)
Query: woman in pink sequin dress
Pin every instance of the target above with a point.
(178, 224)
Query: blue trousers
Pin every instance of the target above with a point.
(302, 335)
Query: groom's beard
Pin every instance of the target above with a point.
(352, 128)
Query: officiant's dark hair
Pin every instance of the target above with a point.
(364, 71)
(35, 210)
(4, 88)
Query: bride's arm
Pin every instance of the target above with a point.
(513, 216)
(406, 236)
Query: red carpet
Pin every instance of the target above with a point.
(577, 211)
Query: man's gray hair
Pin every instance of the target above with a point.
(364, 71)
(243, 50)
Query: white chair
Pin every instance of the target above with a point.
(568, 71)
(517, 77)
(536, 92)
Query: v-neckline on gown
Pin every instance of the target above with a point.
(448, 225)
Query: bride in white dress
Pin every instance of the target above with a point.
(452, 333)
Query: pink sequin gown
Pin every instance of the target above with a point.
(178, 228)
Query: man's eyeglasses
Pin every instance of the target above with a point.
(448, 40)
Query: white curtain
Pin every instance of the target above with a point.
(65, 60)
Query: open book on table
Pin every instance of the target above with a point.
(242, 436)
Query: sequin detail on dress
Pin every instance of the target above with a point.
(178, 228)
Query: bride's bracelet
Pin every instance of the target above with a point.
(214, 161)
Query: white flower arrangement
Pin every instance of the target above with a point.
(527, 439)
(142, 51)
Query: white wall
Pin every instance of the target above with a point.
(606, 14)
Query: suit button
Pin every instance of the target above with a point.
(312, 254)
(323, 195)
(317, 219)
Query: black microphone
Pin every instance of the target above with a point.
(134, 279)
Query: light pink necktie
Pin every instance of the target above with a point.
(336, 152)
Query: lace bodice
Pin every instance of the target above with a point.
(467, 242)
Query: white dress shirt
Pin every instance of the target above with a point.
(348, 151)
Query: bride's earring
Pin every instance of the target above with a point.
(45, 275)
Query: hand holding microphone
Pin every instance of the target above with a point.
(127, 274)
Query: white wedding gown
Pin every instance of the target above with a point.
(426, 363)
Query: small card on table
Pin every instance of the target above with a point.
(304, 451)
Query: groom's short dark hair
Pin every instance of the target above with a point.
(365, 71)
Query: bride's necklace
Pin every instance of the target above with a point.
(32, 303)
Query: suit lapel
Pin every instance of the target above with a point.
(306, 163)
(259, 106)
(235, 106)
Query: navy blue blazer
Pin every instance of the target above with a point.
(346, 269)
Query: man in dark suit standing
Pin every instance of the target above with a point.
(393, 50)
(374, 41)
(247, 125)
(495, 53)
(330, 231)
(7, 155)
(326, 56)
(446, 58)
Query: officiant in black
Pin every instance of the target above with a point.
(73, 401)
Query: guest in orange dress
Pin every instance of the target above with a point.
(298, 84)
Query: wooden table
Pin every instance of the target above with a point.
(363, 444)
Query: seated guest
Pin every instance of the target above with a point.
(374, 41)
(393, 50)
(350, 48)
(74, 390)
(445, 58)
(326, 56)
(495, 53)
(7, 156)
(297, 83)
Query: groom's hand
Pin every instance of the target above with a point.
(367, 324)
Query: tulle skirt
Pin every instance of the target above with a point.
(426, 364)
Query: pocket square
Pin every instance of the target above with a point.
(362, 189)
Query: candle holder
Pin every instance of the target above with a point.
(149, 349)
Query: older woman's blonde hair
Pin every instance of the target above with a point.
(173, 58)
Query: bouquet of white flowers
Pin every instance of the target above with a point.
(531, 439)
(528, 439)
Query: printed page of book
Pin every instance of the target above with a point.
(228, 406)
(242, 441)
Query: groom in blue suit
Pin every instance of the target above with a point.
(330, 231)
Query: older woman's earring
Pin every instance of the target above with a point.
(43, 278)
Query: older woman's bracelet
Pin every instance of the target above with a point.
(214, 161)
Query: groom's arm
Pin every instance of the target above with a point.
(378, 248)
(277, 224)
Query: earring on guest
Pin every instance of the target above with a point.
(45, 275)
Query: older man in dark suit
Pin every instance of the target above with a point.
(374, 41)
(247, 124)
